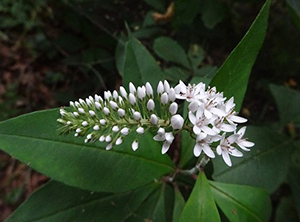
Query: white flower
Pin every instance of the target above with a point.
(96, 127)
(115, 94)
(166, 137)
(200, 123)
(102, 121)
(102, 138)
(84, 123)
(202, 143)
(108, 138)
(172, 95)
(141, 92)
(177, 122)
(166, 86)
(98, 105)
(92, 113)
(81, 110)
(107, 95)
(190, 92)
(109, 146)
(225, 148)
(106, 111)
(113, 104)
(242, 142)
(115, 129)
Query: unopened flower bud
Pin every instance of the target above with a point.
(81, 101)
(172, 95)
(78, 130)
(102, 138)
(76, 114)
(177, 122)
(149, 89)
(121, 112)
(108, 138)
(153, 119)
(193, 105)
(137, 116)
(96, 127)
(92, 113)
(173, 108)
(123, 92)
(119, 141)
(106, 111)
(160, 87)
(102, 121)
(113, 104)
(72, 104)
(166, 86)
(164, 98)
(115, 129)
(107, 95)
(84, 123)
(125, 131)
(88, 102)
(132, 88)
(140, 130)
(161, 131)
(62, 112)
(81, 110)
(141, 92)
(89, 136)
(150, 105)
(132, 99)
(115, 95)
(109, 146)
(135, 145)
(98, 105)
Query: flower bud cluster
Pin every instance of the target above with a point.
(211, 119)
(111, 118)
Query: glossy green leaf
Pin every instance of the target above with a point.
(200, 205)
(140, 66)
(265, 165)
(179, 204)
(59, 202)
(232, 77)
(174, 74)
(152, 209)
(169, 50)
(33, 139)
(242, 203)
(289, 109)
(212, 13)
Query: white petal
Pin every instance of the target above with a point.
(159, 137)
(169, 137)
(132, 88)
(207, 114)
(165, 147)
(232, 138)
(235, 152)
(197, 150)
(192, 118)
(242, 131)
(208, 151)
(226, 158)
(196, 129)
(219, 150)
(238, 119)
(227, 127)
(208, 130)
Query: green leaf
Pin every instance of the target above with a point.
(242, 203)
(156, 4)
(140, 66)
(33, 139)
(212, 13)
(294, 8)
(196, 55)
(169, 50)
(64, 203)
(232, 77)
(265, 165)
(178, 205)
(120, 54)
(289, 109)
(200, 205)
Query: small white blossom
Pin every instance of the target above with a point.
(132, 99)
(102, 121)
(119, 141)
(76, 114)
(164, 98)
(102, 138)
(242, 142)
(107, 95)
(140, 130)
(84, 123)
(81, 110)
(109, 146)
(136, 115)
(115, 95)
(201, 123)
(106, 111)
(108, 138)
(125, 131)
(166, 86)
(123, 92)
(78, 130)
(172, 95)
(113, 104)
(149, 89)
(96, 127)
(92, 113)
(115, 129)
(98, 105)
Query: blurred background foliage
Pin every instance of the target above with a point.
(52, 52)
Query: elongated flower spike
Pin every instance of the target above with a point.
(211, 118)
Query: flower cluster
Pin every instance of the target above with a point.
(111, 118)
